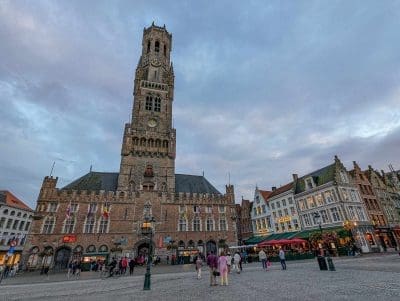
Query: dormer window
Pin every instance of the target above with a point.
(309, 183)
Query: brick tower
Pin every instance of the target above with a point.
(148, 147)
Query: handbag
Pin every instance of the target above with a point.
(268, 263)
(216, 273)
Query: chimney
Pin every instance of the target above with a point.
(295, 177)
(273, 188)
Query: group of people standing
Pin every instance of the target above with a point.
(262, 256)
(219, 266)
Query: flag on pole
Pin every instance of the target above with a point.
(68, 212)
(106, 210)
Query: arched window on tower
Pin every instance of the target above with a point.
(148, 46)
(165, 50)
(157, 104)
(157, 46)
(149, 103)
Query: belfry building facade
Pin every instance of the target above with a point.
(101, 214)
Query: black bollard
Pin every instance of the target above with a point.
(330, 264)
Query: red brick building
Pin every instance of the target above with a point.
(244, 226)
(101, 214)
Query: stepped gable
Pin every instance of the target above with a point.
(320, 177)
(95, 181)
(193, 184)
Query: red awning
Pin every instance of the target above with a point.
(298, 241)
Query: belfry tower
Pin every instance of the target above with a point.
(148, 147)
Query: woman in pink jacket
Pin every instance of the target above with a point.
(223, 268)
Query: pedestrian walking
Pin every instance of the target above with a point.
(70, 268)
(223, 268)
(236, 262)
(78, 268)
(263, 258)
(124, 264)
(131, 266)
(282, 258)
(229, 262)
(199, 264)
(212, 262)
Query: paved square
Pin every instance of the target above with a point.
(364, 278)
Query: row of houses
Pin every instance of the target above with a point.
(365, 203)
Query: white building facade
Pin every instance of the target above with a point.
(261, 219)
(15, 222)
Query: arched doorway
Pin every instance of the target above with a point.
(211, 246)
(63, 256)
(142, 250)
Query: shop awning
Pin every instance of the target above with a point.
(305, 234)
(255, 240)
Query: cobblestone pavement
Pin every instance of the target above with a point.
(364, 278)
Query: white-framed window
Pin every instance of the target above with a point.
(361, 214)
(306, 219)
(303, 204)
(280, 213)
(221, 209)
(311, 202)
(351, 212)
(90, 224)
(222, 224)
(255, 211)
(210, 224)
(196, 224)
(182, 224)
(269, 222)
(335, 214)
(292, 211)
(103, 225)
(354, 196)
(319, 199)
(328, 197)
(324, 217)
(272, 205)
(309, 183)
(283, 202)
(209, 209)
(286, 211)
(48, 225)
(69, 225)
(274, 214)
(296, 224)
(52, 207)
(278, 204)
(290, 199)
(182, 208)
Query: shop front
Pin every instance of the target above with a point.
(95, 258)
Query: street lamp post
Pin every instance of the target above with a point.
(147, 230)
(321, 259)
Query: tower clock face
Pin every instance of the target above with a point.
(152, 123)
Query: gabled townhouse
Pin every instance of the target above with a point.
(372, 205)
(389, 235)
(284, 210)
(261, 214)
(329, 198)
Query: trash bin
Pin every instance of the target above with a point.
(322, 263)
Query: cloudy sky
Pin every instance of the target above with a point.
(262, 90)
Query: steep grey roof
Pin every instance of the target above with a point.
(193, 184)
(320, 177)
(107, 181)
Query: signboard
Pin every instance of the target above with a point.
(69, 239)
(284, 219)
